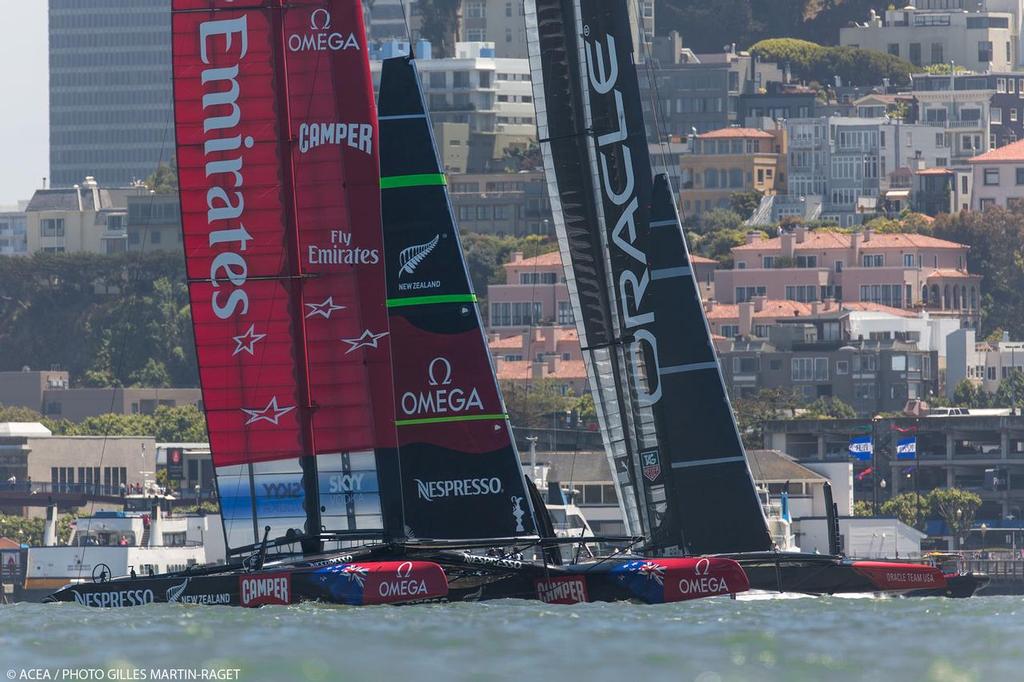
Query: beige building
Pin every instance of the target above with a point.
(154, 223)
(73, 464)
(977, 40)
(513, 204)
(84, 218)
(48, 393)
(730, 160)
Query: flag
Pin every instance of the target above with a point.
(906, 448)
(864, 474)
(861, 447)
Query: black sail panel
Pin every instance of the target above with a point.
(684, 485)
(702, 457)
(461, 477)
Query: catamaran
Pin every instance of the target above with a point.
(669, 430)
(361, 446)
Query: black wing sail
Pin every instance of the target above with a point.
(636, 341)
(460, 470)
(706, 466)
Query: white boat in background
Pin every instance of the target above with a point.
(120, 543)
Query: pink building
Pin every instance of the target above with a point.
(538, 343)
(756, 316)
(569, 375)
(999, 177)
(534, 293)
(898, 270)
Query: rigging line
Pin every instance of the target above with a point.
(122, 356)
(405, 19)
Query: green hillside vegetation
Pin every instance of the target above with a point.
(812, 62)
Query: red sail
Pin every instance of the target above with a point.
(277, 165)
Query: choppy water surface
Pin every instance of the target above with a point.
(706, 641)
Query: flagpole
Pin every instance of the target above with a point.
(874, 465)
(917, 471)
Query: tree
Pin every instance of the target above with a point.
(164, 179)
(957, 508)
(910, 508)
(439, 24)
(720, 219)
(862, 508)
(538, 404)
(853, 65)
(745, 203)
(753, 413)
(182, 424)
(16, 413)
(966, 394)
(1011, 390)
(152, 375)
(828, 408)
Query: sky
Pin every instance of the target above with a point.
(24, 99)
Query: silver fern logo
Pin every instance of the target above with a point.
(409, 259)
(174, 593)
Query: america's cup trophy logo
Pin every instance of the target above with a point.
(518, 513)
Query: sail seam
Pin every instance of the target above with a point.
(401, 117)
(416, 180)
(444, 420)
(708, 462)
(663, 223)
(430, 300)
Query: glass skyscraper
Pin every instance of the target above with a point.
(111, 113)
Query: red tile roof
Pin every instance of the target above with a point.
(522, 370)
(772, 309)
(947, 273)
(1010, 152)
(725, 133)
(545, 259)
(701, 260)
(821, 240)
(934, 171)
(869, 307)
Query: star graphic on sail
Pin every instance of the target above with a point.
(367, 340)
(246, 342)
(271, 413)
(324, 309)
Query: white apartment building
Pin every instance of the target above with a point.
(964, 116)
(977, 40)
(999, 177)
(983, 364)
(491, 94)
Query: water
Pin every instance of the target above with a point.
(717, 640)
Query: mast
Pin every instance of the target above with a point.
(277, 152)
(461, 476)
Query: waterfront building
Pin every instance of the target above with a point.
(13, 233)
(897, 270)
(941, 190)
(50, 394)
(998, 178)
(98, 465)
(388, 20)
(723, 162)
(981, 453)
(85, 218)
(777, 102)
(495, 21)
(962, 117)
(111, 112)
(978, 40)
(536, 343)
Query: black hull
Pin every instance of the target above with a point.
(822, 574)
(420, 577)
(958, 586)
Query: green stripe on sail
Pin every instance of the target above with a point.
(428, 300)
(443, 420)
(420, 180)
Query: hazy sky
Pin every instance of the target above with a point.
(24, 99)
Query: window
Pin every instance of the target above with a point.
(908, 260)
(1020, 176)
(730, 330)
(842, 367)
(937, 54)
(996, 115)
(745, 365)
(865, 363)
(51, 227)
(774, 364)
(991, 176)
(864, 391)
(802, 293)
(915, 53)
(807, 261)
(984, 51)
(886, 294)
(565, 315)
(893, 49)
(899, 363)
(768, 262)
(515, 314)
(873, 260)
(744, 294)
(809, 369)
(839, 266)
